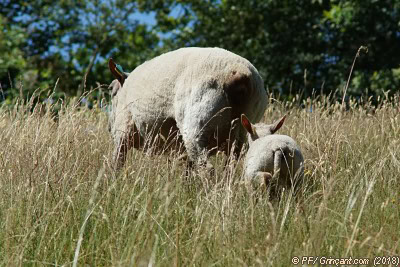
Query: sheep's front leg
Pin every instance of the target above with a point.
(122, 146)
(196, 142)
(124, 141)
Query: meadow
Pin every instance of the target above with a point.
(62, 204)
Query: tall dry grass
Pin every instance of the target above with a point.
(62, 204)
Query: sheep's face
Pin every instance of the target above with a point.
(258, 130)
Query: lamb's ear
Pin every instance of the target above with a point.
(278, 124)
(247, 125)
(114, 70)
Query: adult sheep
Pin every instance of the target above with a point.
(190, 95)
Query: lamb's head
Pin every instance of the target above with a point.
(258, 130)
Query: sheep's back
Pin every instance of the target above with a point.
(156, 82)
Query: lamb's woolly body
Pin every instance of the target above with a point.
(272, 153)
(197, 91)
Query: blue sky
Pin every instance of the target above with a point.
(145, 18)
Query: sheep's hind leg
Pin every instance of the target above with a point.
(265, 182)
(258, 185)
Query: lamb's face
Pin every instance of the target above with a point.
(259, 130)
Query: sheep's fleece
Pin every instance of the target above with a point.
(190, 95)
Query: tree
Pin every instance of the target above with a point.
(373, 24)
(12, 61)
(71, 40)
(296, 45)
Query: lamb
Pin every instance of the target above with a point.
(187, 100)
(272, 159)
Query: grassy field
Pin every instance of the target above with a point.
(61, 202)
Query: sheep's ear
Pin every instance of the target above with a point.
(278, 124)
(114, 86)
(247, 124)
(115, 71)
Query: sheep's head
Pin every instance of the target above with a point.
(115, 85)
(119, 74)
(258, 130)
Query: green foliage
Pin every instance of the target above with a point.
(12, 61)
(71, 40)
(373, 24)
(302, 45)
(297, 46)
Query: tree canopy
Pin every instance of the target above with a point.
(306, 45)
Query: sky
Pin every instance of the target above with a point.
(145, 18)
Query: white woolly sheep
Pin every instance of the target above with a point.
(272, 159)
(191, 95)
